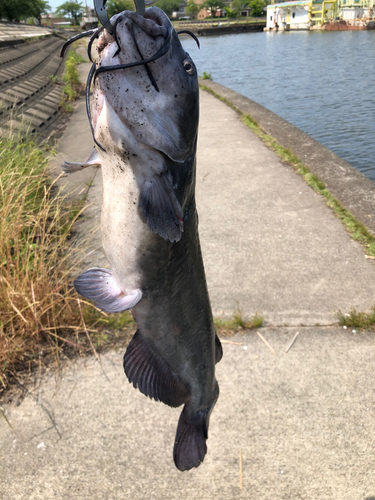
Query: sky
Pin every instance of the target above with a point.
(55, 3)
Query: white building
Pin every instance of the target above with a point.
(321, 14)
(288, 15)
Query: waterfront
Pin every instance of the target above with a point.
(322, 82)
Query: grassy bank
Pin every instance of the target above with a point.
(73, 84)
(356, 230)
(40, 317)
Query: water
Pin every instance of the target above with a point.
(322, 82)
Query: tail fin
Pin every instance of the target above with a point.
(190, 443)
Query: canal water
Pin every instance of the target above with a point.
(322, 82)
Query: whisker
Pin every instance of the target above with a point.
(88, 109)
(115, 35)
(149, 73)
(191, 34)
(163, 50)
(75, 38)
(91, 41)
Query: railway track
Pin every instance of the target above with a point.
(29, 97)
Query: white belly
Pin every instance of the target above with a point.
(122, 229)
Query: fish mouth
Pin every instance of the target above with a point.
(153, 23)
(129, 28)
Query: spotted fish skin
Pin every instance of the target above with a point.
(146, 123)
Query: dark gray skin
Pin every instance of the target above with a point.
(175, 317)
(150, 225)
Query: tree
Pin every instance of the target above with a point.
(116, 6)
(192, 9)
(71, 9)
(238, 5)
(39, 7)
(231, 13)
(169, 6)
(257, 7)
(213, 6)
(15, 10)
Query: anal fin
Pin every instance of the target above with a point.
(148, 371)
(100, 286)
(160, 208)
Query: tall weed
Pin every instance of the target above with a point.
(37, 304)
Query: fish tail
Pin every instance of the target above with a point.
(190, 443)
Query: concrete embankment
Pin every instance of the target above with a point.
(288, 425)
(355, 191)
(228, 29)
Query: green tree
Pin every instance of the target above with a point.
(116, 6)
(231, 13)
(39, 7)
(192, 9)
(169, 6)
(16, 10)
(71, 9)
(257, 7)
(213, 6)
(238, 5)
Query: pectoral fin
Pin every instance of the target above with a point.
(160, 209)
(69, 167)
(100, 286)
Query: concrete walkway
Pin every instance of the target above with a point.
(302, 421)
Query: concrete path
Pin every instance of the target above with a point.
(302, 421)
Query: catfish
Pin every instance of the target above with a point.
(145, 113)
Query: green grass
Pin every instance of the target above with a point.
(40, 316)
(355, 228)
(357, 319)
(237, 323)
(71, 78)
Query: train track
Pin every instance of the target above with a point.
(29, 97)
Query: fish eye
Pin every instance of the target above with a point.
(189, 67)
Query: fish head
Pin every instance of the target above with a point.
(157, 102)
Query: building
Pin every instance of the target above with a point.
(321, 14)
(288, 15)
